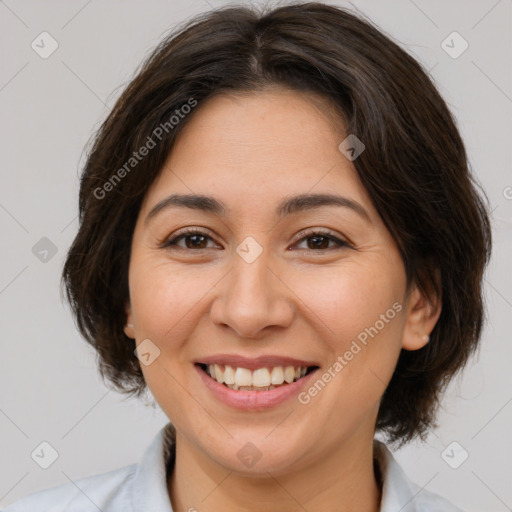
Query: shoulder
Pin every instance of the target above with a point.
(133, 488)
(400, 493)
(107, 492)
(427, 501)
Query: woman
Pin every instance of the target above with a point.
(280, 238)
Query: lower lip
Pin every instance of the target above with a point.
(254, 400)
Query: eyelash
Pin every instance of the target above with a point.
(305, 235)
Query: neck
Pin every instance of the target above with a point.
(343, 480)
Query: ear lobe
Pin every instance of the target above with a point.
(128, 326)
(422, 314)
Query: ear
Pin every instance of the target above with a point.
(422, 314)
(128, 326)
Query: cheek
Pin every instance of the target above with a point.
(348, 300)
(166, 298)
(357, 315)
(166, 306)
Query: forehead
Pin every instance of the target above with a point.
(253, 149)
(278, 122)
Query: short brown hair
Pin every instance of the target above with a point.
(414, 168)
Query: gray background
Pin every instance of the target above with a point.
(50, 389)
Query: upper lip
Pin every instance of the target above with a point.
(253, 363)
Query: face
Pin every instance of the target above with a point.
(255, 285)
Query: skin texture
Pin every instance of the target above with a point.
(250, 152)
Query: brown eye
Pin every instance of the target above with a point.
(193, 239)
(319, 241)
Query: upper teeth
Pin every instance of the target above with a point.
(262, 377)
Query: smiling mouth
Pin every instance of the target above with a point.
(261, 379)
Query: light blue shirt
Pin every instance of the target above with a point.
(143, 487)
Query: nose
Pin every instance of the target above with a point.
(252, 298)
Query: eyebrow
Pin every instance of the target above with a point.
(289, 206)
